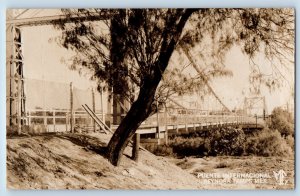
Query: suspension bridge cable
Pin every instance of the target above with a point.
(186, 52)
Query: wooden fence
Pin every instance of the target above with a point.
(62, 120)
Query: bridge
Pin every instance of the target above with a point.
(161, 126)
(173, 118)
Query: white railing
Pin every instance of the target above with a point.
(60, 120)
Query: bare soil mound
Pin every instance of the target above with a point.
(65, 161)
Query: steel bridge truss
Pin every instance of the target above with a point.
(255, 106)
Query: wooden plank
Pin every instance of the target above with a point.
(145, 131)
(97, 120)
(180, 126)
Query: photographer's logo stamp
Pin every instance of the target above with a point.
(280, 177)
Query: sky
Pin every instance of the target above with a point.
(238, 63)
(44, 61)
(47, 77)
(44, 58)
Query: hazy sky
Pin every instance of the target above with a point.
(43, 61)
(233, 87)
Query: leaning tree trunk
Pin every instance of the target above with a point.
(142, 107)
(138, 112)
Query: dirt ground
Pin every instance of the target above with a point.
(65, 161)
(262, 167)
(75, 162)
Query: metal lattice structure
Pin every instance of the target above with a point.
(14, 76)
(255, 106)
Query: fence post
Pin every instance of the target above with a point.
(67, 121)
(45, 119)
(135, 147)
(185, 120)
(29, 118)
(54, 121)
(255, 120)
(71, 109)
(157, 119)
(19, 110)
(102, 107)
(94, 109)
(166, 121)
(109, 105)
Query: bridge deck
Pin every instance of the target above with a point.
(162, 132)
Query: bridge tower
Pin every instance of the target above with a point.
(15, 96)
(255, 106)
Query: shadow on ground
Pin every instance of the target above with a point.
(86, 141)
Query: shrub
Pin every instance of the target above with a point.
(226, 141)
(188, 146)
(222, 141)
(163, 150)
(282, 121)
(290, 140)
(267, 143)
(160, 150)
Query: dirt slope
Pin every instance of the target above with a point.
(242, 164)
(75, 162)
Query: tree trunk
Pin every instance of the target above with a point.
(142, 107)
(138, 112)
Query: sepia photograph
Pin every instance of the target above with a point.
(150, 99)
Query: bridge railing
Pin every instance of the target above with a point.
(56, 120)
(167, 119)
